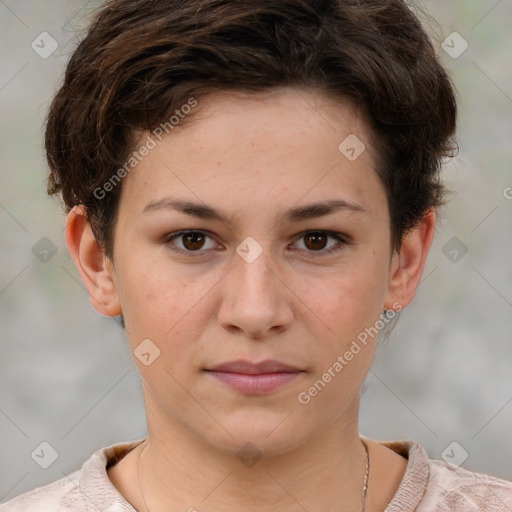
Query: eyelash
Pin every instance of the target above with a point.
(316, 254)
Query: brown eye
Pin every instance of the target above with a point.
(190, 242)
(193, 241)
(315, 241)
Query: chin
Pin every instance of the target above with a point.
(258, 437)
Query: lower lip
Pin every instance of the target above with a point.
(256, 384)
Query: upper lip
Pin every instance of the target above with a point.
(244, 366)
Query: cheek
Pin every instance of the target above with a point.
(153, 300)
(167, 310)
(171, 308)
(341, 307)
(350, 297)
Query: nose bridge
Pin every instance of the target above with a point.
(254, 300)
(253, 268)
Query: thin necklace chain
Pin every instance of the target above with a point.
(366, 476)
(365, 482)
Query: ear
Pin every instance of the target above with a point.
(96, 270)
(407, 265)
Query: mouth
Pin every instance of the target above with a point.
(255, 378)
(253, 368)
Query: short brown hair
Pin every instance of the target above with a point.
(141, 60)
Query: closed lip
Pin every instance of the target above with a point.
(250, 368)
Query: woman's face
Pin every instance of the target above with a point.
(262, 280)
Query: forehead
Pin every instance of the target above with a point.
(284, 110)
(242, 149)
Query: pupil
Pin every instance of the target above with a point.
(193, 241)
(316, 239)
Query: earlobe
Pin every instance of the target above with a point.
(94, 267)
(408, 265)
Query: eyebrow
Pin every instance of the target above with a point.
(295, 214)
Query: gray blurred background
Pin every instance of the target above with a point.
(443, 376)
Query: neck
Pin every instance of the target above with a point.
(178, 471)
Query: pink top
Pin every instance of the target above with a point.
(427, 486)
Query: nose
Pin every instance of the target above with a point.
(256, 299)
